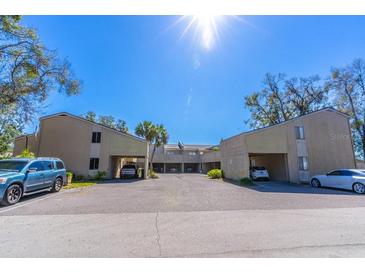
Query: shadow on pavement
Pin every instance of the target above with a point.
(30, 197)
(286, 187)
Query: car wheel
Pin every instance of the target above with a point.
(315, 183)
(12, 195)
(57, 185)
(359, 188)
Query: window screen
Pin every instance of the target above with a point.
(303, 163)
(299, 131)
(96, 137)
(94, 163)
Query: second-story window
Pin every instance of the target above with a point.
(96, 137)
(192, 153)
(299, 132)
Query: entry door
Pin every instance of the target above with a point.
(34, 178)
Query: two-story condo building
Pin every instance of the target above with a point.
(293, 151)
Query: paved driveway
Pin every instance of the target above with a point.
(185, 215)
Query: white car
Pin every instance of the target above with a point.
(259, 173)
(128, 171)
(351, 179)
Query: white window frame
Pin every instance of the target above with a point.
(303, 163)
(299, 133)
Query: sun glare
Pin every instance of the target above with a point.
(206, 27)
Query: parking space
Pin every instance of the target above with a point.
(185, 215)
(186, 192)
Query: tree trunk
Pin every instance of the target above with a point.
(153, 154)
(363, 142)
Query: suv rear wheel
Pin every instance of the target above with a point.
(12, 195)
(57, 185)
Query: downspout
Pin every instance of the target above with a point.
(352, 142)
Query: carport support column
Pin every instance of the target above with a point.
(182, 167)
(146, 161)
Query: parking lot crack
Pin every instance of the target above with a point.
(158, 235)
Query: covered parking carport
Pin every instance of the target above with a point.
(118, 161)
(275, 163)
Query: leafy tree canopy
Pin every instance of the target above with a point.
(107, 120)
(348, 86)
(155, 134)
(281, 99)
(28, 73)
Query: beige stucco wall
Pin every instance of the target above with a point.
(234, 157)
(360, 164)
(20, 144)
(69, 139)
(211, 156)
(327, 144)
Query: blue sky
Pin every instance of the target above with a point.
(142, 68)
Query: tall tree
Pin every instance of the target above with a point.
(348, 84)
(91, 116)
(107, 120)
(121, 125)
(282, 99)
(154, 134)
(28, 73)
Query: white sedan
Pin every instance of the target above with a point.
(351, 179)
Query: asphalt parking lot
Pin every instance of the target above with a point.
(185, 215)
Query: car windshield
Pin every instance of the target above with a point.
(129, 166)
(12, 165)
(259, 168)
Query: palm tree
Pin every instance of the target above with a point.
(154, 134)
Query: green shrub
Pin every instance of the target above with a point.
(26, 154)
(69, 174)
(152, 174)
(100, 175)
(215, 174)
(246, 181)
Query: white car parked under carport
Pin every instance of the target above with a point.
(351, 179)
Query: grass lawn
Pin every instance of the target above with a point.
(78, 184)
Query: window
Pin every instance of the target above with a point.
(96, 137)
(38, 166)
(335, 173)
(94, 163)
(170, 152)
(299, 132)
(303, 163)
(47, 165)
(192, 153)
(59, 165)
